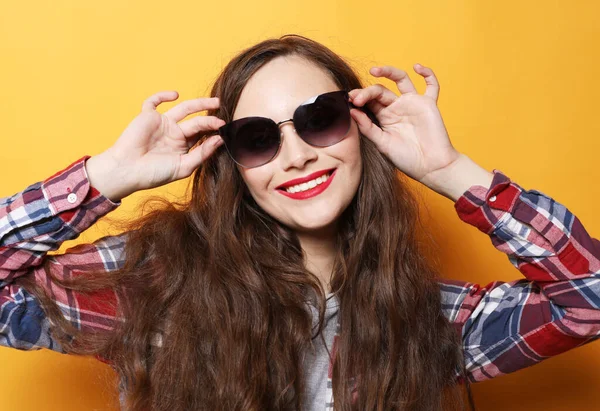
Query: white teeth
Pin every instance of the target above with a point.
(308, 185)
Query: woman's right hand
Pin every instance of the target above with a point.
(155, 148)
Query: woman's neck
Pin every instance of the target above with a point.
(319, 255)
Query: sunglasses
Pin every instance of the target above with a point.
(321, 121)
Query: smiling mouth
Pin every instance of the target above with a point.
(299, 188)
(309, 188)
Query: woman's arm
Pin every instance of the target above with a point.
(155, 149)
(509, 326)
(36, 221)
(505, 326)
(44, 215)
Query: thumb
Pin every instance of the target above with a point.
(368, 128)
(195, 157)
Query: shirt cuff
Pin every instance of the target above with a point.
(483, 207)
(70, 188)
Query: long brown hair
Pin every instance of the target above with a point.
(235, 327)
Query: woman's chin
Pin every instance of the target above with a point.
(315, 224)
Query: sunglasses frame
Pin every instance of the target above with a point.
(223, 134)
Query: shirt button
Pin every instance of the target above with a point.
(71, 198)
(493, 198)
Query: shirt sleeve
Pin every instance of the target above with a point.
(36, 221)
(507, 326)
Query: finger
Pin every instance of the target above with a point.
(375, 106)
(368, 128)
(375, 93)
(195, 125)
(195, 157)
(185, 108)
(400, 77)
(154, 101)
(433, 86)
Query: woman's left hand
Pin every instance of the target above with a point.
(412, 133)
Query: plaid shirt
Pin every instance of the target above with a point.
(505, 326)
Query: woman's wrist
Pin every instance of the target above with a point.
(107, 177)
(453, 180)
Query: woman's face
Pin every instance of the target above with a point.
(275, 91)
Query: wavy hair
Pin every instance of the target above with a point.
(235, 327)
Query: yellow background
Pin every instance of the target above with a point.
(519, 93)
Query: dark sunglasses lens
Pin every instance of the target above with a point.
(325, 121)
(253, 141)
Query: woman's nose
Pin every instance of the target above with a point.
(295, 152)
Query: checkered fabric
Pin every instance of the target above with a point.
(505, 326)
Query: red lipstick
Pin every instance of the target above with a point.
(311, 192)
(301, 180)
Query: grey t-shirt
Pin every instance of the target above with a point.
(319, 395)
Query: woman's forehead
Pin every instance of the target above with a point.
(280, 86)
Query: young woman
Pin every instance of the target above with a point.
(292, 277)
